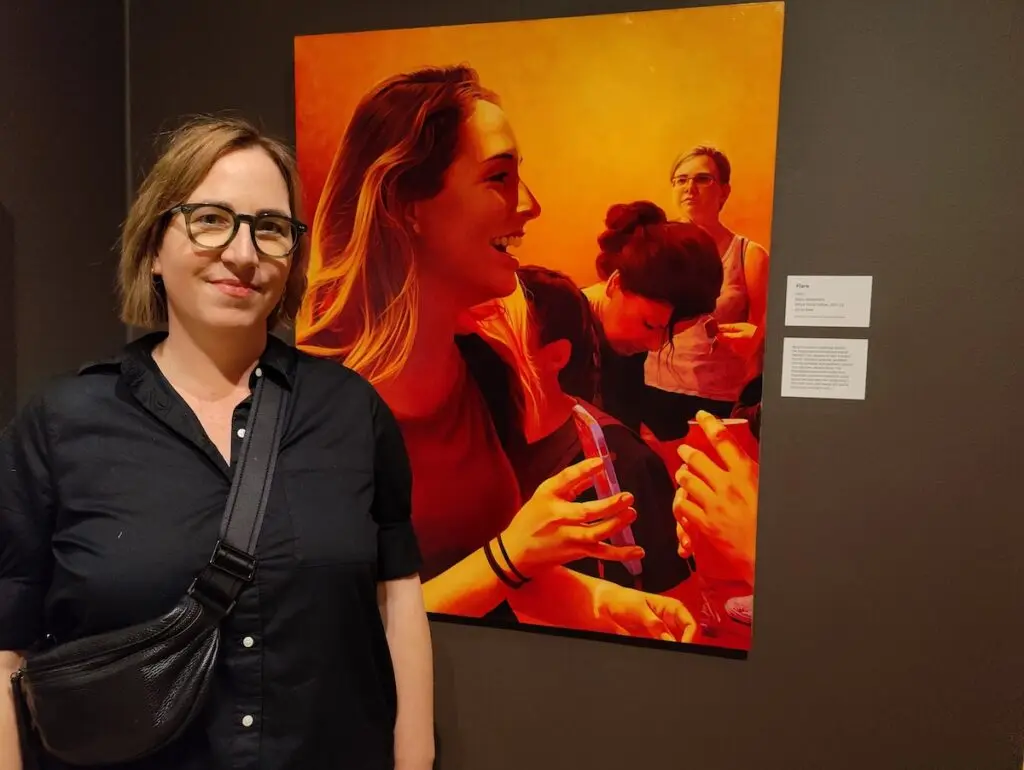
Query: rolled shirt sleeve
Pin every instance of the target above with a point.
(26, 522)
(398, 553)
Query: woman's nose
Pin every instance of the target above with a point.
(528, 205)
(241, 251)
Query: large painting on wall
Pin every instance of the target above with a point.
(546, 243)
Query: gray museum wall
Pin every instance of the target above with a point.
(889, 578)
(62, 187)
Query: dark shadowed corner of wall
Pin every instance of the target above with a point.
(62, 171)
(8, 377)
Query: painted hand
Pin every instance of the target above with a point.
(720, 501)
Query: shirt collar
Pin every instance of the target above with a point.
(136, 358)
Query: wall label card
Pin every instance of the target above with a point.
(824, 368)
(828, 300)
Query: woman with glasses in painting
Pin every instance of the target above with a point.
(707, 367)
(659, 278)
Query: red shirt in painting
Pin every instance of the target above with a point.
(464, 489)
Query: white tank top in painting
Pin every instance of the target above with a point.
(690, 366)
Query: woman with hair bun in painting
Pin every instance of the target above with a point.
(659, 278)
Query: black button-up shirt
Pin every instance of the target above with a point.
(111, 498)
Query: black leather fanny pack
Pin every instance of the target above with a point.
(126, 694)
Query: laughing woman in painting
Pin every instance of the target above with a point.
(414, 228)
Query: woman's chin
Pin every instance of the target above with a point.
(508, 283)
(234, 319)
(696, 216)
(498, 284)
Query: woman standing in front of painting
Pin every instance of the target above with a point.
(414, 228)
(702, 371)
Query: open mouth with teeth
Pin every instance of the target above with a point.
(507, 242)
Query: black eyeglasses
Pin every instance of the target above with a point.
(213, 226)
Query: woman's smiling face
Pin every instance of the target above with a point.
(232, 286)
(466, 235)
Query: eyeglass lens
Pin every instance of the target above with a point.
(213, 227)
(699, 180)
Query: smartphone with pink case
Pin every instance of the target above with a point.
(606, 483)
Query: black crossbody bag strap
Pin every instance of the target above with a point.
(232, 564)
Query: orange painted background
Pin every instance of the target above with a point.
(600, 105)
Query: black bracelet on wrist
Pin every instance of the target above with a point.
(498, 570)
(508, 560)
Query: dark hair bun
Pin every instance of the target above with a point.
(623, 219)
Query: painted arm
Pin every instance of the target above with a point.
(548, 531)
(755, 272)
(469, 588)
(572, 600)
(559, 596)
(747, 337)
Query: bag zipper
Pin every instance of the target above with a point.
(107, 656)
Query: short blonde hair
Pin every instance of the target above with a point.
(189, 154)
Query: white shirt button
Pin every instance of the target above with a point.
(259, 372)
(248, 642)
(247, 720)
(241, 432)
